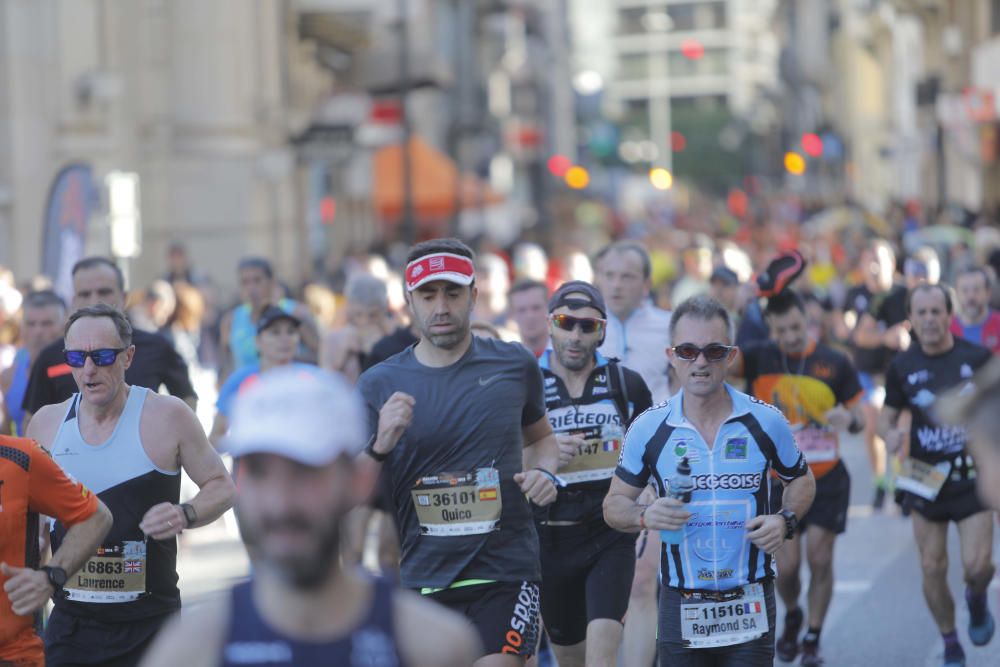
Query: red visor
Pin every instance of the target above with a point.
(439, 266)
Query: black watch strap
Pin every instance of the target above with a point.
(189, 514)
(57, 576)
(370, 451)
(791, 523)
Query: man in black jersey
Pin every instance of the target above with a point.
(938, 476)
(817, 390)
(297, 479)
(587, 567)
(980, 411)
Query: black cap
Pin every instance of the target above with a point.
(724, 275)
(272, 314)
(578, 294)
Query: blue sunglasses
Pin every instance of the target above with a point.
(103, 357)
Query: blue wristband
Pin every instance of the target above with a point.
(552, 478)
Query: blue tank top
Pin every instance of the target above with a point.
(15, 395)
(243, 333)
(250, 641)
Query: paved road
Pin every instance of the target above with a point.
(878, 615)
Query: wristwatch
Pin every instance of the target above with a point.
(791, 523)
(57, 576)
(370, 451)
(189, 514)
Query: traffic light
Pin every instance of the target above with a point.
(327, 209)
(577, 177)
(678, 142)
(558, 165)
(661, 178)
(692, 49)
(812, 144)
(795, 163)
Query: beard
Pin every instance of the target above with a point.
(578, 364)
(302, 571)
(449, 340)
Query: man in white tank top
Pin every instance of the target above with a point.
(128, 445)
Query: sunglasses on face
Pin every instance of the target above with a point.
(103, 357)
(713, 352)
(588, 325)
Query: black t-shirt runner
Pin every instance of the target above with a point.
(155, 362)
(459, 512)
(888, 309)
(804, 389)
(915, 380)
(597, 417)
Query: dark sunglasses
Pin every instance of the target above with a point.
(103, 357)
(713, 351)
(588, 325)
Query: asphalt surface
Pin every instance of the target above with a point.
(877, 617)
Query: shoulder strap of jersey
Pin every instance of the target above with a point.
(619, 389)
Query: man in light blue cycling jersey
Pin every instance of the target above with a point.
(717, 603)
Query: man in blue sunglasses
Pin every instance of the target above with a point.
(128, 444)
(99, 280)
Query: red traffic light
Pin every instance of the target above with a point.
(327, 210)
(692, 49)
(812, 144)
(558, 165)
(678, 142)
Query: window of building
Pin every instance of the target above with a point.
(684, 17)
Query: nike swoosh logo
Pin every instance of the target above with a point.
(485, 381)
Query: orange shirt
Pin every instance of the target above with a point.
(31, 483)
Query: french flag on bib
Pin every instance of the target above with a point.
(612, 445)
(751, 607)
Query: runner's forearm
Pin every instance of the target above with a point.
(81, 540)
(543, 454)
(215, 497)
(798, 494)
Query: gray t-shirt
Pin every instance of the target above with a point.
(459, 512)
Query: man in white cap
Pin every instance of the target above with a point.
(296, 480)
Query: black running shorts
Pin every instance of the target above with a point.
(505, 614)
(586, 575)
(72, 641)
(829, 508)
(955, 501)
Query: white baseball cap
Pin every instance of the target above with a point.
(301, 413)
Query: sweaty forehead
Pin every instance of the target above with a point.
(92, 332)
(700, 331)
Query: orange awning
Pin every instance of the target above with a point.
(432, 183)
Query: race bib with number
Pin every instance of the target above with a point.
(467, 503)
(923, 479)
(116, 574)
(817, 445)
(597, 457)
(709, 623)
